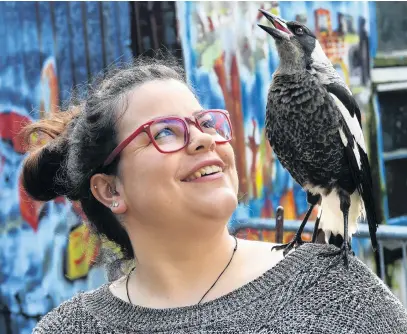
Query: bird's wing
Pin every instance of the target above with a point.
(355, 148)
(347, 99)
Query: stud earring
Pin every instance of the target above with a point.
(95, 187)
(115, 204)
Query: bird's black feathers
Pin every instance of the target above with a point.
(303, 131)
(368, 200)
(346, 98)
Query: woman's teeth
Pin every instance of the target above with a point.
(204, 171)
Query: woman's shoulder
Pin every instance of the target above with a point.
(321, 267)
(323, 262)
(313, 281)
(314, 263)
(355, 293)
(61, 318)
(66, 317)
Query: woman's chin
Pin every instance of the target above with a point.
(220, 204)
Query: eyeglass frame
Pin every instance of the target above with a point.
(185, 121)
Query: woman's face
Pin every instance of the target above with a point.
(156, 189)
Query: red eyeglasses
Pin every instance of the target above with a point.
(171, 134)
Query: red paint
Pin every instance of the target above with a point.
(29, 208)
(60, 200)
(11, 125)
(77, 208)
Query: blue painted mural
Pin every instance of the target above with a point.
(47, 48)
(230, 62)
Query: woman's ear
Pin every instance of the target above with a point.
(103, 188)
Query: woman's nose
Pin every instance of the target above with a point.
(200, 141)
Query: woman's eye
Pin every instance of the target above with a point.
(299, 31)
(208, 124)
(164, 133)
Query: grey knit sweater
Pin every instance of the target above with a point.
(304, 293)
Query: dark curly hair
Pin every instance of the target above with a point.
(80, 139)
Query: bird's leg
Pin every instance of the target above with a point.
(315, 234)
(297, 241)
(345, 249)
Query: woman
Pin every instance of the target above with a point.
(156, 174)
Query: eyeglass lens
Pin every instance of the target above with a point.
(171, 134)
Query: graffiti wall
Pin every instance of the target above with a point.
(46, 254)
(230, 61)
(47, 48)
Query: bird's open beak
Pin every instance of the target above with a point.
(279, 30)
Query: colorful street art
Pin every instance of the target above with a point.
(230, 61)
(46, 253)
(47, 48)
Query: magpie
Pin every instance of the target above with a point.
(314, 125)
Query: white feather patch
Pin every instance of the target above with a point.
(357, 155)
(331, 214)
(352, 122)
(324, 69)
(343, 138)
(332, 217)
(319, 57)
(354, 147)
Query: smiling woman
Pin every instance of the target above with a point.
(155, 173)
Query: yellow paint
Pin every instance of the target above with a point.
(83, 247)
(275, 11)
(111, 246)
(261, 162)
(259, 176)
(344, 68)
(38, 139)
(351, 39)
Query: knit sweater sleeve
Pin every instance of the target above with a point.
(64, 319)
(357, 301)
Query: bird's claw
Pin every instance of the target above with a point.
(344, 251)
(297, 241)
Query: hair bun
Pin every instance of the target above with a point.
(43, 176)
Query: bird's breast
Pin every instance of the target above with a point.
(302, 125)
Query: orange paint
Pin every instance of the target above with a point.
(288, 203)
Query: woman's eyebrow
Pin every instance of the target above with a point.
(164, 116)
(198, 111)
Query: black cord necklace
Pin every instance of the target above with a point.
(214, 283)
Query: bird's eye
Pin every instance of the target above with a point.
(299, 31)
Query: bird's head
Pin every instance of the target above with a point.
(297, 46)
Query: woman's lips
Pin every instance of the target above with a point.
(204, 171)
(208, 178)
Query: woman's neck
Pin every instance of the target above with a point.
(178, 272)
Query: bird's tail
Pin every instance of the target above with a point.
(366, 192)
